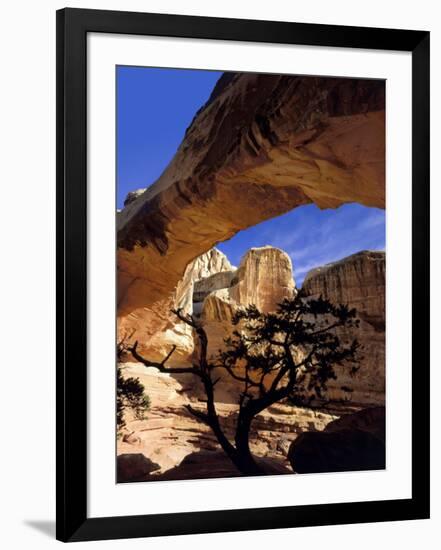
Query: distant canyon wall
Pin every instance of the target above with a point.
(358, 281)
(212, 290)
(265, 278)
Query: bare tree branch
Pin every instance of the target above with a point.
(234, 375)
(185, 318)
(161, 366)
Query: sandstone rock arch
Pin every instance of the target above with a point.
(261, 146)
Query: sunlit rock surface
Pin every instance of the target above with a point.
(184, 448)
(264, 279)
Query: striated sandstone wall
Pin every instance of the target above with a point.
(264, 278)
(358, 281)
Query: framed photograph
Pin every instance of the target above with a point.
(233, 350)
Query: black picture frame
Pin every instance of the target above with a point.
(72, 28)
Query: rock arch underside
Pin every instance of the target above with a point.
(261, 146)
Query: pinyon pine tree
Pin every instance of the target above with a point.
(288, 354)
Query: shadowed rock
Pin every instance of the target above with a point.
(352, 443)
(134, 467)
(371, 420)
(216, 464)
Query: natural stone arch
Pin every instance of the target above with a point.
(261, 146)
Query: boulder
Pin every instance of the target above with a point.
(351, 443)
(371, 420)
(134, 467)
(340, 451)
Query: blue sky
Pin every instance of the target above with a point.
(313, 237)
(155, 107)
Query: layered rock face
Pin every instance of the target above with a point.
(262, 145)
(211, 289)
(264, 278)
(209, 285)
(210, 264)
(358, 281)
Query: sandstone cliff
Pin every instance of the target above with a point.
(213, 290)
(261, 146)
(264, 278)
(358, 281)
